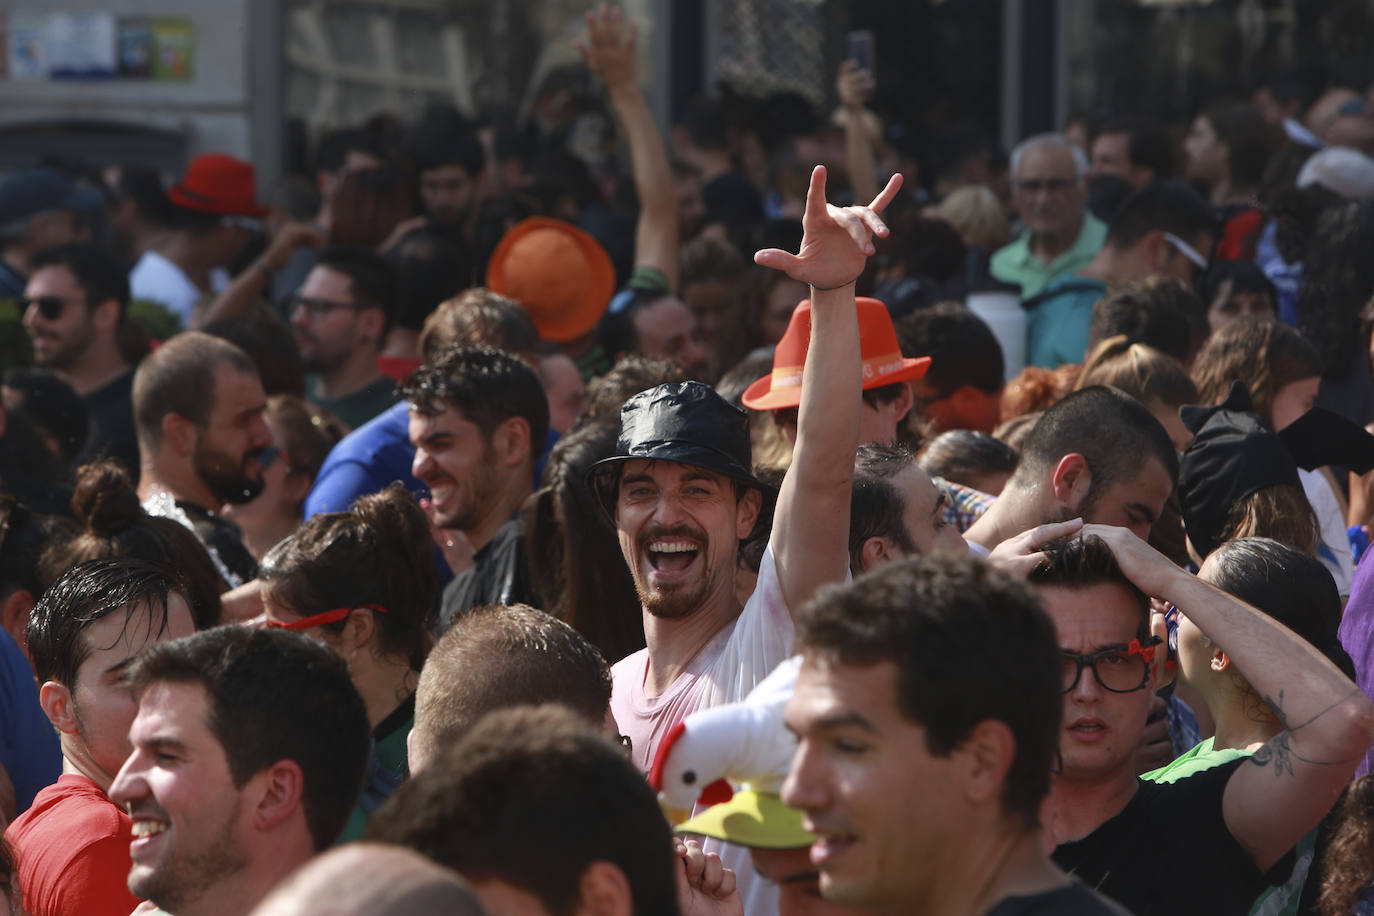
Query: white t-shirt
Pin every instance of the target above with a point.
(1334, 549)
(732, 664)
(159, 280)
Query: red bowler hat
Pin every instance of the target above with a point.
(882, 358)
(219, 184)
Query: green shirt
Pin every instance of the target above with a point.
(357, 408)
(387, 767)
(1016, 264)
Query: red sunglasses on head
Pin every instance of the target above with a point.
(320, 619)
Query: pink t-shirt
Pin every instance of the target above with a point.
(741, 655)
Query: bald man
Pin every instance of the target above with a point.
(371, 879)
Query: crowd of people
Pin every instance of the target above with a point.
(478, 526)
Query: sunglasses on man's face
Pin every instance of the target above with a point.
(50, 307)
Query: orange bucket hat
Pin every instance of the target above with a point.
(560, 274)
(883, 362)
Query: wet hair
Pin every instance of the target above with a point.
(499, 656)
(962, 348)
(54, 407)
(1264, 354)
(1086, 561)
(96, 271)
(965, 456)
(377, 552)
(487, 386)
(945, 622)
(1113, 432)
(576, 565)
(1158, 311)
(114, 524)
(274, 696)
(497, 805)
(1290, 585)
(1242, 128)
(1169, 206)
(1146, 374)
(876, 507)
(84, 594)
(479, 316)
(179, 378)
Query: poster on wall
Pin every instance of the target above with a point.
(135, 48)
(26, 46)
(80, 45)
(174, 43)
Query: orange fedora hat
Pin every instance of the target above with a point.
(883, 362)
(560, 274)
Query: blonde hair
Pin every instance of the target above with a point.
(977, 215)
(1140, 370)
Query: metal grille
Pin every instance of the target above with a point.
(349, 59)
(766, 46)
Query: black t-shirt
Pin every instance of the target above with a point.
(499, 575)
(1169, 852)
(225, 540)
(1074, 900)
(110, 424)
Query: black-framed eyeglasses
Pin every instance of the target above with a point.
(1119, 669)
(320, 308)
(50, 307)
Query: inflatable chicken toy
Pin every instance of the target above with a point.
(732, 760)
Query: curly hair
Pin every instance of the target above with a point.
(1347, 864)
(1338, 278)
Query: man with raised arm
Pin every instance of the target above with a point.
(1211, 842)
(683, 496)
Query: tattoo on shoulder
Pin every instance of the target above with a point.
(1279, 752)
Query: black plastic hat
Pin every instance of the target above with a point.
(1232, 455)
(685, 422)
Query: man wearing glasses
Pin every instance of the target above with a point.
(1166, 229)
(1049, 191)
(1228, 831)
(340, 318)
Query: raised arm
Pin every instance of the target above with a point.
(811, 525)
(610, 54)
(252, 285)
(854, 86)
(1287, 786)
